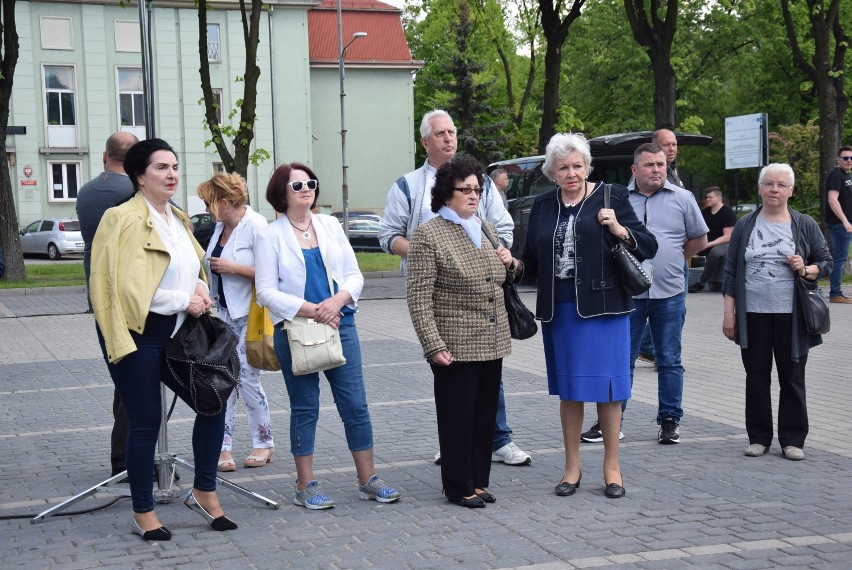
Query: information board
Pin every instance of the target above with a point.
(746, 141)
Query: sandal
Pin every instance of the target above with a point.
(258, 460)
(227, 465)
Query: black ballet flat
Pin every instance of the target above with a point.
(474, 502)
(219, 523)
(565, 489)
(614, 491)
(160, 534)
(486, 496)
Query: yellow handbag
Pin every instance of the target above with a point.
(260, 347)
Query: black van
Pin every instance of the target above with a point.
(612, 156)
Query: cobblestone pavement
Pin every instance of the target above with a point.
(697, 504)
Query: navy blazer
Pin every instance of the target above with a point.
(596, 277)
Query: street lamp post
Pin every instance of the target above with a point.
(341, 52)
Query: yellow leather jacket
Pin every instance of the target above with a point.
(129, 260)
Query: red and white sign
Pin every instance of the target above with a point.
(29, 182)
(28, 171)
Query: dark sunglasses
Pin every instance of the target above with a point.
(296, 186)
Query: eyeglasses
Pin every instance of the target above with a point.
(467, 191)
(297, 185)
(779, 185)
(845, 157)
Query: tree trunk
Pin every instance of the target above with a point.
(665, 93)
(8, 216)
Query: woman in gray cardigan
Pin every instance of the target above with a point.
(456, 303)
(769, 249)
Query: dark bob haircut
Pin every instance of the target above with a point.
(277, 191)
(453, 171)
(138, 158)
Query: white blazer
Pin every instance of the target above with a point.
(280, 265)
(240, 249)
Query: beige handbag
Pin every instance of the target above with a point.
(313, 346)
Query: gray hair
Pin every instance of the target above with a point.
(560, 146)
(497, 172)
(426, 125)
(777, 168)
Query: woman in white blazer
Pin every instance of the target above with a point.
(230, 265)
(293, 259)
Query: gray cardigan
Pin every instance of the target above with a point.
(810, 244)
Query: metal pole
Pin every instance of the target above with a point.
(147, 67)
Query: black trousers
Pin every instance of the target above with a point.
(714, 265)
(118, 440)
(770, 334)
(466, 405)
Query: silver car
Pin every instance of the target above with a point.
(55, 237)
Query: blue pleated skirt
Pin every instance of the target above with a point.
(588, 360)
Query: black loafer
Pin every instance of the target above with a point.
(470, 502)
(614, 491)
(486, 496)
(565, 489)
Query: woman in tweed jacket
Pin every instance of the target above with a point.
(456, 303)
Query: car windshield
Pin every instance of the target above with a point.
(71, 226)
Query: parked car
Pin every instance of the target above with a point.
(742, 209)
(612, 157)
(364, 234)
(54, 237)
(365, 214)
(202, 228)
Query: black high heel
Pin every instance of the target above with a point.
(159, 534)
(218, 523)
(565, 489)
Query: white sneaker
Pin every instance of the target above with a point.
(511, 454)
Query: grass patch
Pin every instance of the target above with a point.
(64, 274)
(49, 275)
(369, 261)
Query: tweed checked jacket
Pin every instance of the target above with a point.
(455, 294)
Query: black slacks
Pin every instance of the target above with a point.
(466, 405)
(770, 334)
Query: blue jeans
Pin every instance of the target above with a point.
(839, 253)
(666, 317)
(502, 431)
(347, 387)
(137, 378)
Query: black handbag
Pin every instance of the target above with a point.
(522, 323)
(636, 276)
(202, 358)
(813, 307)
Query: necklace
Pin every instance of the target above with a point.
(567, 205)
(305, 233)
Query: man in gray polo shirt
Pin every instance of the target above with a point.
(672, 215)
(110, 188)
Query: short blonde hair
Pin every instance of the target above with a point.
(230, 188)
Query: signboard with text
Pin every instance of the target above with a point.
(746, 141)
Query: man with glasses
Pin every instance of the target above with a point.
(408, 205)
(672, 215)
(838, 218)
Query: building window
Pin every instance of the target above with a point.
(217, 102)
(64, 180)
(56, 33)
(213, 46)
(219, 168)
(60, 106)
(131, 105)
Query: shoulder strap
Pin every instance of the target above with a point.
(607, 190)
(495, 244)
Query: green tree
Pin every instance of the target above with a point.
(243, 134)
(825, 68)
(555, 27)
(8, 216)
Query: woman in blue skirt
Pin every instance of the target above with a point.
(581, 303)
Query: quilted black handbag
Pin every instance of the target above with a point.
(636, 276)
(202, 357)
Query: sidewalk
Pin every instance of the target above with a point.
(697, 504)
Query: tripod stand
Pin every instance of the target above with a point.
(166, 463)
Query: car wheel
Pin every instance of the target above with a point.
(53, 252)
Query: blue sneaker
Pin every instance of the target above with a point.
(311, 497)
(377, 490)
